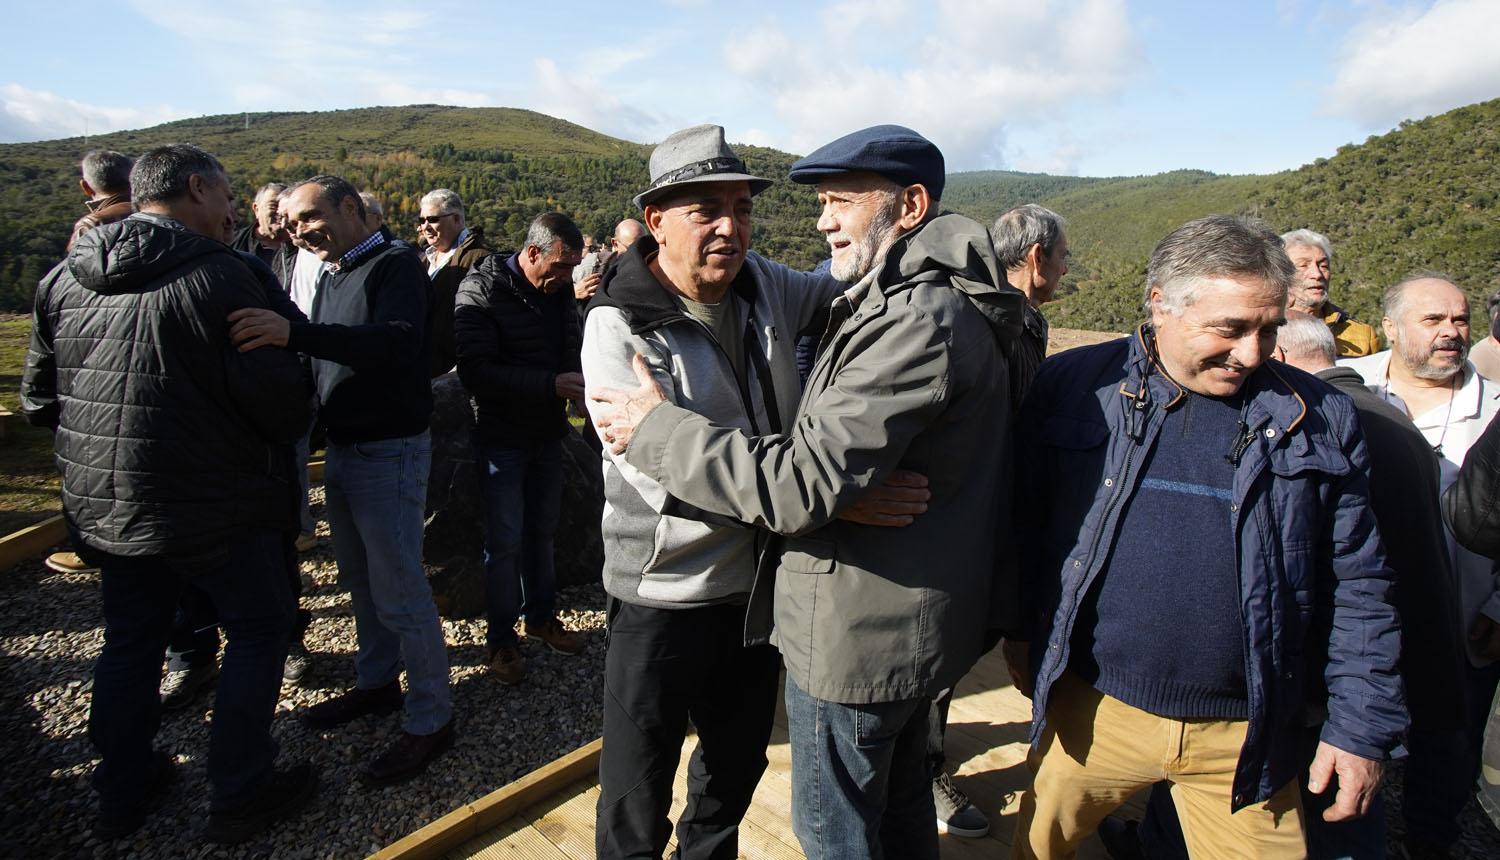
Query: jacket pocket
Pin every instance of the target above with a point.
(803, 555)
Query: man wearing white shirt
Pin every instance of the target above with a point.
(1426, 374)
(452, 249)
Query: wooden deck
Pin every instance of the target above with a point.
(986, 744)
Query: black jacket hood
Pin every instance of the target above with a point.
(126, 255)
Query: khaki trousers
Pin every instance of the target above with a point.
(1097, 751)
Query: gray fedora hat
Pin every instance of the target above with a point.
(697, 154)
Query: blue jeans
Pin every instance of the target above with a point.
(245, 579)
(861, 782)
(376, 497)
(522, 490)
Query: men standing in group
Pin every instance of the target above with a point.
(265, 237)
(452, 249)
(1426, 375)
(911, 374)
(1178, 486)
(518, 339)
(1312, 256)
(715, 323)
(367, 345)
(1032, 246)
(166, 438)
(587, 283)
(106, 182)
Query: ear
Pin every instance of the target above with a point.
(915, 204)
(197, 188)
(349, 207)
(653, 218)
(1390, 330)
(1034, 256)
(87, 190)
(1157, 314)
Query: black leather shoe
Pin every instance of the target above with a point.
(118, 823)
(409, 756)
(354, 704)
(288, 792)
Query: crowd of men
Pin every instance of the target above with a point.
(1214, 549)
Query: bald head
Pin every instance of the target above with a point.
(626, 232)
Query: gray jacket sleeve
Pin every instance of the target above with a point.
(847, 437)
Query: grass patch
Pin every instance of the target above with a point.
(29, 481)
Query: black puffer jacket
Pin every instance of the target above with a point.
(169, 439)
(509, 357)
(1471, 505)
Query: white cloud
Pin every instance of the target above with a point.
(27, 114)
(957, 72)
(1411, 62)
(588, 102)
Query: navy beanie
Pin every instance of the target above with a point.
(893, 151)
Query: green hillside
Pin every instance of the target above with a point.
(1423, 196)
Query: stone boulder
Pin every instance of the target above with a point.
(453, 538)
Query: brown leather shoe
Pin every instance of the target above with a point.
(507, 665)
(557, 638)
(354, 704)
(409, 756)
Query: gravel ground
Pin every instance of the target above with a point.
(50, 635)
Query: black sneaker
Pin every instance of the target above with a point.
(298, 660)
(354, 704)
(288, 792)
(118, 823)
(182, 686)
(1121, 838)
(956, 816)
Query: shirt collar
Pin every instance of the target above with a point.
(352, 257)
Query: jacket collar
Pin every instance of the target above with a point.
(1268, 393)
(631, 286)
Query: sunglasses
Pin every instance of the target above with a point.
(432, 219)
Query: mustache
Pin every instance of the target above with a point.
(1448, 343)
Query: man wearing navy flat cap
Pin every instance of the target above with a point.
(911, 374)
(716, 325)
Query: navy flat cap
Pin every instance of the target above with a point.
(893, 151)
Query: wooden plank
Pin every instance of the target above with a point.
(20, 545)
(472, 819)
(569, 825)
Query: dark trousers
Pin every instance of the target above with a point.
(937, 730)
(245, 580)
(195, 626)
(663, 667)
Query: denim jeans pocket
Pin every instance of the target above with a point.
(382, 451)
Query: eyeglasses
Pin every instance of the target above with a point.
(433, 219)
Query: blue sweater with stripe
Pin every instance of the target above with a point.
(1161, 627)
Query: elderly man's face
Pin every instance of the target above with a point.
(1213, 345)
(1309, 291)
(859, 217)
(1432, 336)
(704, 232)
(440, 229)
(267, 218)
(1051, 268)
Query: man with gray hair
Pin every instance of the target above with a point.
(518, 336)
(1162, 651)
(106, 181)
(452, 250)
(1032, 246)
(1312, 256)
(374, 212)
(1427, 376)
(173, 447)
(265, 237)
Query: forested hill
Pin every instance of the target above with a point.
(1423, 196)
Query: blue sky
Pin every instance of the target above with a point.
(1086, 87)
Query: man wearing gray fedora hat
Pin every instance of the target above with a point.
(911, 373)
(716, 325)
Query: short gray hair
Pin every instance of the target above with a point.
(1215, 247)
(275, 189)
(161, 174)
(371, 204)
(552, 227)
(107, 171)
(1305, 334)
(1393, 302)
(1017, 230)
(1307, 237)
(447, 201)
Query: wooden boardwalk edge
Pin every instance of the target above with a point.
(472, 819)
(20, 545)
